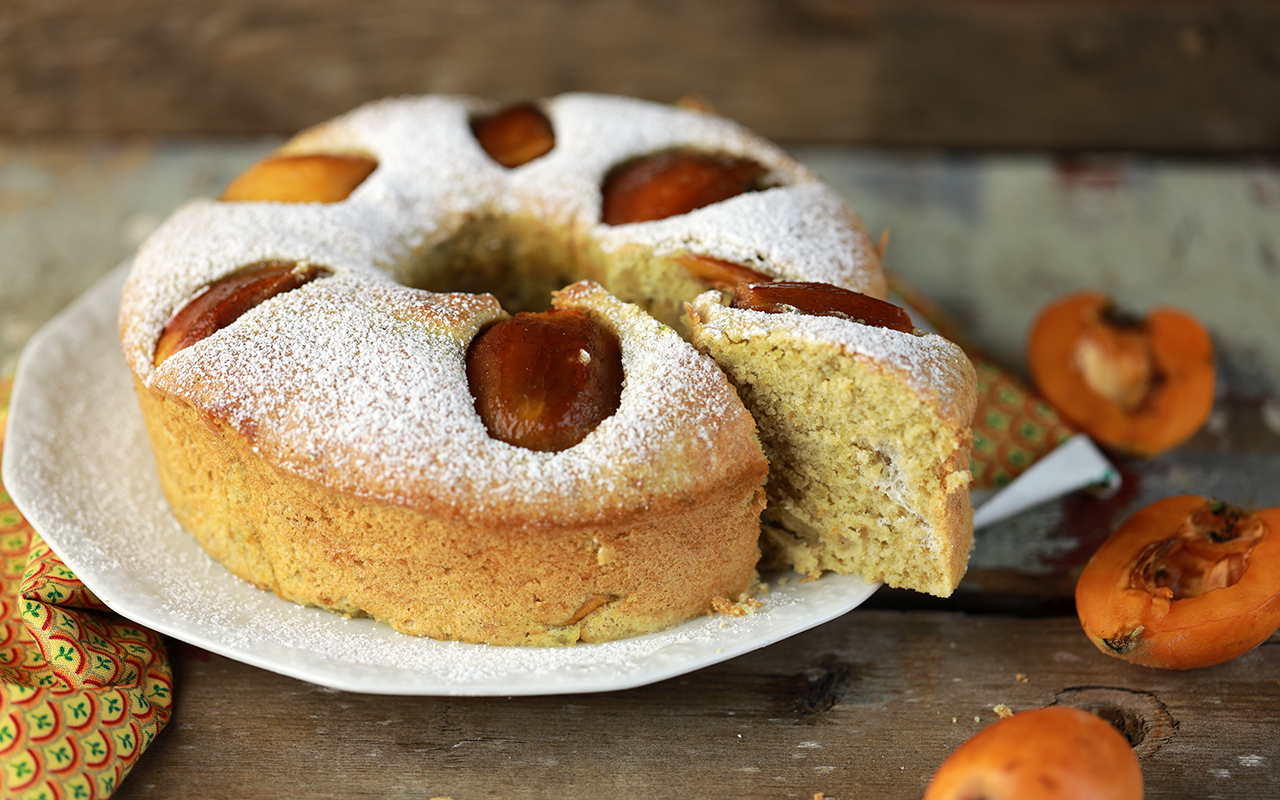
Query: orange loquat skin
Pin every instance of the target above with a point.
(1184, 583)
(1051, 753)
(1140, 386)
(314, 178)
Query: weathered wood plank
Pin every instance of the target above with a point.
(866, 706)
(1135, 74)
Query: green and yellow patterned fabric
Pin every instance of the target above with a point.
(1013, 427)
(84, 691)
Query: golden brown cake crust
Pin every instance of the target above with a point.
(682, 535)
(543, 585)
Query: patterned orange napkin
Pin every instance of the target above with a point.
(1013, 428)
(85, 692)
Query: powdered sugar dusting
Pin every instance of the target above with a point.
(803, 232)
(358, 382)
(387, 412)
(929, 364)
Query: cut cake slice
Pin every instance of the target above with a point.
(867, 431)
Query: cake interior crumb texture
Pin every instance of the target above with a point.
(867, 475)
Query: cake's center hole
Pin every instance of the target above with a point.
(517, 260)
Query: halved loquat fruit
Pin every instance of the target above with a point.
(515, 135)
(821, 300)
(224, 301)
(1137, 384)
(718, 273)
(675, 182)
(1185, 582)
(545, 380)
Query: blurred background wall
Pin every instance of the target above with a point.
(1166, 75)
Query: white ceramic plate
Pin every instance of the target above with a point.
(78, 464)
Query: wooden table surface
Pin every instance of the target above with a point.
(865, 706)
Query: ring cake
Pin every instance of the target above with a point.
(310, 368)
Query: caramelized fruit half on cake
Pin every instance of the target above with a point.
(515, 135)
(545, 380)
(224, 301)
(821, 300)
(757, 291)
(676, 182)
(717, 273)
(312, 178)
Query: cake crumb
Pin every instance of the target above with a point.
(605, 554)
(1021, 678)
(744, 607)
(1002, 711)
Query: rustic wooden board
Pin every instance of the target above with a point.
(1180, 75)
(866, 706)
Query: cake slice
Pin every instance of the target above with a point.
(867, 432)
